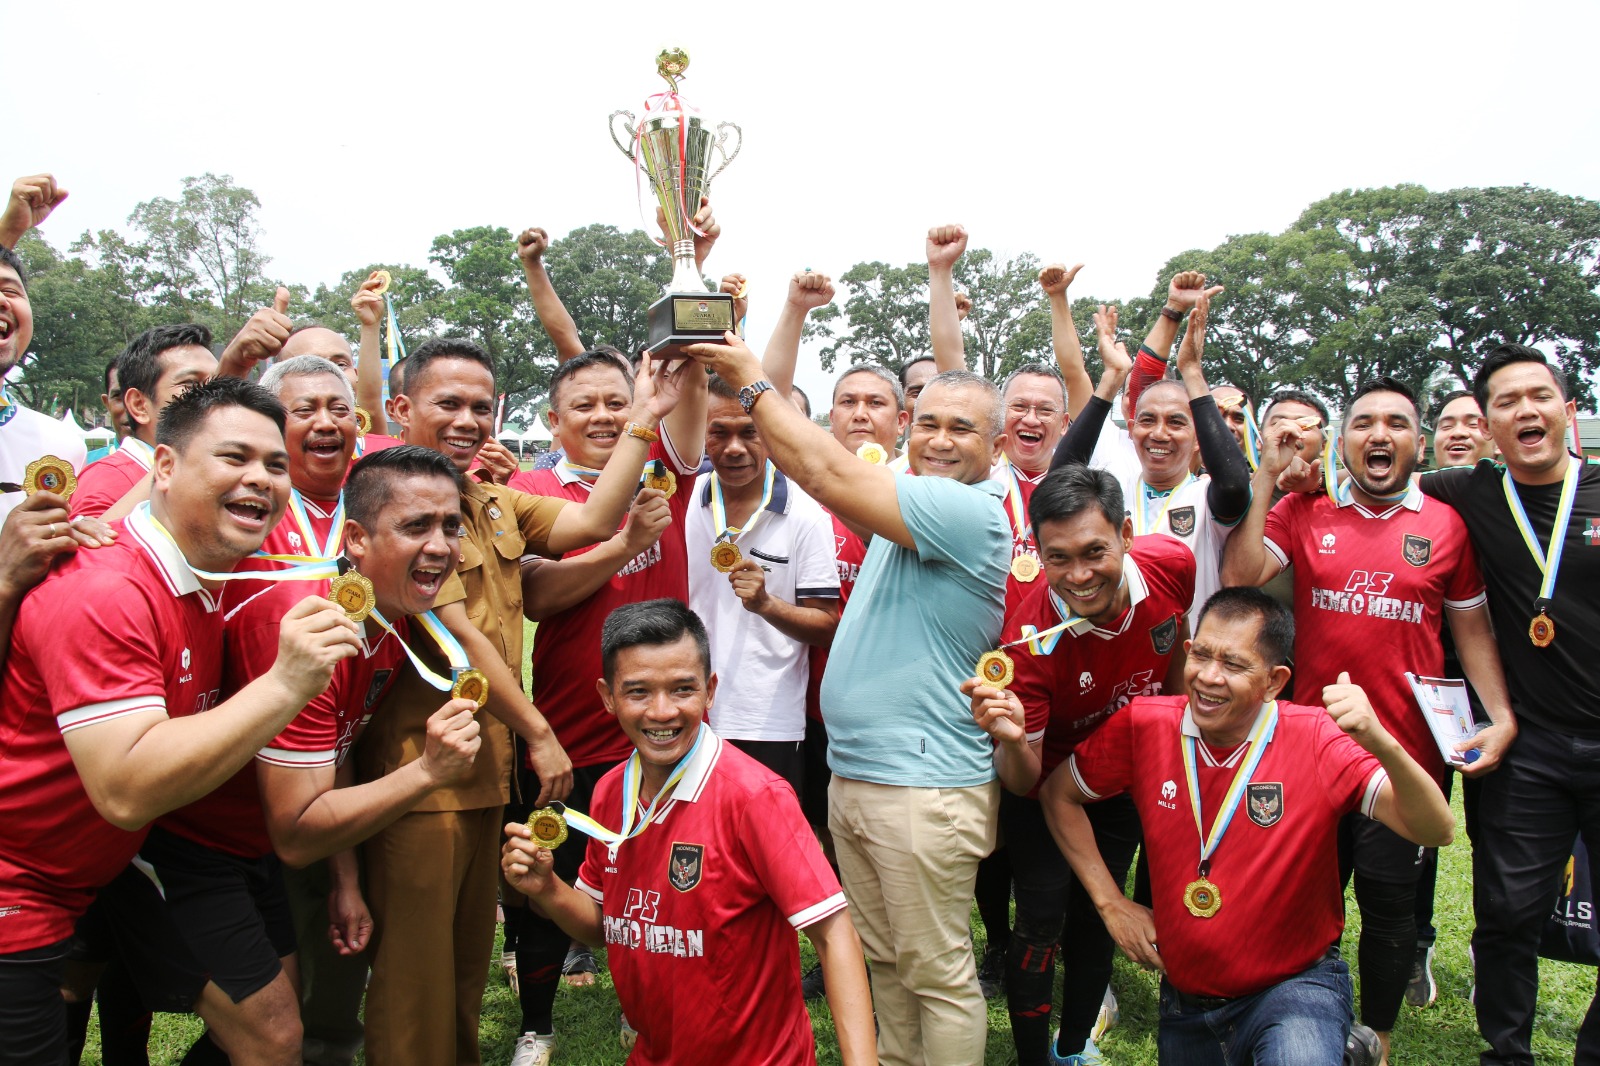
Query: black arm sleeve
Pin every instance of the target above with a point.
(1078, 443)
(1229, 493)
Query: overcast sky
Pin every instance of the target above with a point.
(1114, 134)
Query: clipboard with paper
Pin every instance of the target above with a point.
(1445, 707)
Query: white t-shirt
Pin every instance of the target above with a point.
(1184, 513)
(26, 436)
(761, 672)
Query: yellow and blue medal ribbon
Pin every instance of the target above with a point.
(318, 553)
(1549, 562)
(311, 570)
(719, 511)
(454, 653)
(1265, 726)
(632, 824)
(1142, 523)
(1021, 528)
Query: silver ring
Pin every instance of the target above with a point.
(53, 533)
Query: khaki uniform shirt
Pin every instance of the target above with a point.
(499, 527)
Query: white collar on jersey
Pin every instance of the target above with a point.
(137, 450)
(693, 784)
(1190, 729)
(1137, 591)
(163, 551)
(1411, 501)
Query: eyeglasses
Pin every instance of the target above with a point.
(1042, 411)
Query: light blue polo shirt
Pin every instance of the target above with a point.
(912, 632)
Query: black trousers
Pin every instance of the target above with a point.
(1545, 791)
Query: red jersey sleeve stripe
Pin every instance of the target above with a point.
(1077, 778)
(1034, 738)
(95, 713)
(678, 465)
(1468, 604)
(1369, 799)
(818, 911)
(302, 759)
(589, 890)
(1277, 552)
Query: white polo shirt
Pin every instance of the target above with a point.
(28, 435)
(761, 673)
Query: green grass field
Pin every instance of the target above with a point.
(1441, 1035)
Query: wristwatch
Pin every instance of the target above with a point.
(748, 394)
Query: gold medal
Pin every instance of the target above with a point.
(873, 452)
(1202, 898)
(384, 279)
(996, 669)
(353, 593)
(49, 473)
(1025, 568)
(471, 685)
(659, 477)
(363, 421)
(548, 827)
(725, 555)
(1542, 630)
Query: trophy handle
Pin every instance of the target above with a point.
(722, 147)
(627, 124)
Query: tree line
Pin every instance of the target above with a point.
(1401, 281)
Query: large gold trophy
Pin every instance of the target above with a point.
(673, 147)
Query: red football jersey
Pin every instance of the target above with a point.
(701, 911)
(231, 819)
(1277, 867)
(1023, 542)
(105, 481)
(1092, 672)
(566, 646)
(1369, 591)
(375, 442)
(850, 551)
(110, 632)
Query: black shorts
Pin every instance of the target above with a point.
(33, 1016)
(814, 797)
(1375, 851)
(118, 925)
(202, 913)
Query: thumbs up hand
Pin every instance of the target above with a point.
(261, 338)
(1349, 707)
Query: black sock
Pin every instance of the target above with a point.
(1030, 984)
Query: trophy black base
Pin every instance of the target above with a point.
(681, 318)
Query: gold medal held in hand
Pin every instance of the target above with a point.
(1542, 630)
(996, 669)
(548, 827)
(725, 555)
(363, 421)
(873, 452)
(1202, 898)
(353, 593)
(471, 684)
(658, 477)
(1025, 568)
(49, 473)
(384, 280)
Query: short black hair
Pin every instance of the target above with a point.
(720, 388)
(182, 418)
(1447, 399)
(1294, 396)
(434, 349)
(1504, 356)
(905, 371)
(607, 357)
(1035, 370)
(1274, 639)
(110, 369)
(1383, 384)
(663, 621)
(1069, 490)
(370, 484)
(139, 365)
(397, 376)
(9, 258)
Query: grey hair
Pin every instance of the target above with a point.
(959, 379)
(304, 366)
(877, 370)
(1034, 370)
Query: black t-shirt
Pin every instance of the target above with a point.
(1557, 687)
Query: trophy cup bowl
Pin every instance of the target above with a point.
(676, 149)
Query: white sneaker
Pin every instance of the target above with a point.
(1108, 1016)
(534, 1049)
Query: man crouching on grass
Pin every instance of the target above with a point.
(697, 905)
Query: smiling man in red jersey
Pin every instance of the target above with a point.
(128, 741)
(1377, 570)
(1546, 790)
(1105, 625)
